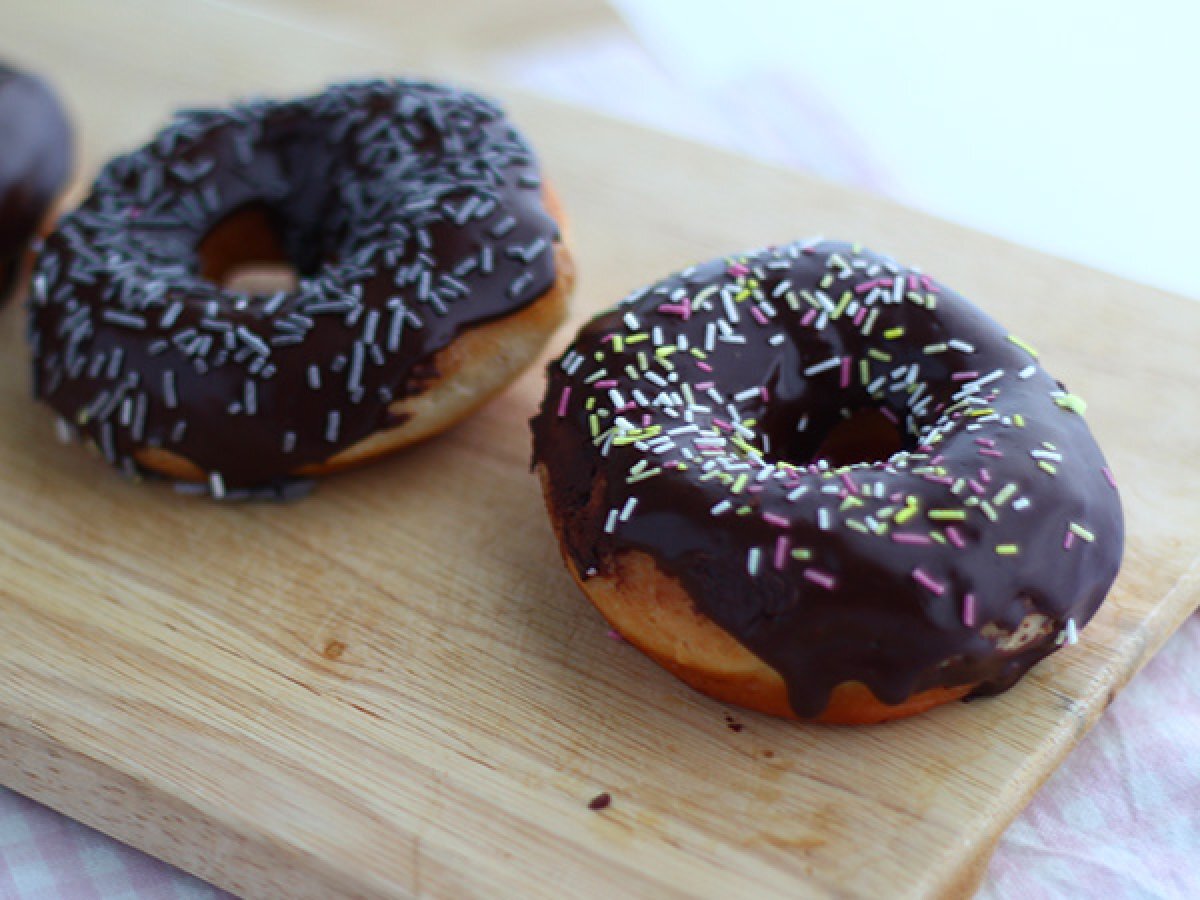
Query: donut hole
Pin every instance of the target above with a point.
(245, 252)
(865, 436)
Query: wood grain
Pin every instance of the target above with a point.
(393, 688)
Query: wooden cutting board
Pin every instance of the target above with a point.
(393, 688)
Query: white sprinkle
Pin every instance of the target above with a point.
(1027, 372)
(610, 524)
(627, 510)
(823, 366)
(169, 396)
(216, 484)
(753, 560)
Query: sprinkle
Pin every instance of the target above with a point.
(777, 520)
(824, 366)
(1108, 476)
(1072, 633)
(968, 610)
(1068, 539)
(610, 524)
(216, 484)
(627, 510)
(781, 551)
(820, 578)
(927, 581)
(1082, 532)
(1072, 402)
(911, 537)
(753, 560)
(955, 537)
(1007, 549)
(562, 401)
(946, 515)
(1023, 345)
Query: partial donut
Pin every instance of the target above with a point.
(35, 162)
(818, 484)
(430, 271)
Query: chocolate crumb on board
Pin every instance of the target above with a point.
(600, 801)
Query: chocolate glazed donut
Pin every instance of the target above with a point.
(35, 161)
(430, 271)
(814, 482)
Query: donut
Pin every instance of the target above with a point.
(815, 483)
(35, 162)
(429, 271)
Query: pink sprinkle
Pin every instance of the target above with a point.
(912, 282)
(985, 442)
(646, 420)
(704, 385)
(988, 451)
(808, 317)
(614, 636)
(722, 424)
(562, 401)
(627, 407)
(607, 383)
(672, 309)
(911, 537)
(1109, 475)
(782, 546)
(937, 460)
(738, 269)
(963, 376)
(984, 475)
(849, 483)
(609, 338)
(889, 415)
(976, 486)
(775, 519)
(929, 285)
(968, 610)
(764, 393)
(755, 489)
(867, 286)
(1068, 539)
(821, 579)
(759, 316)
(845, 379)
(860, 315)
(954, 536)
(939, 479)
(921, 577)
(703, 366)
(896, 496)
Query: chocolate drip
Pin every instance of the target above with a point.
(688, 424)
(35, 161)
(410, 211)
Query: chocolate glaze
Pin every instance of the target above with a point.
(411, 212)
(35, 161)
(877, 593)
